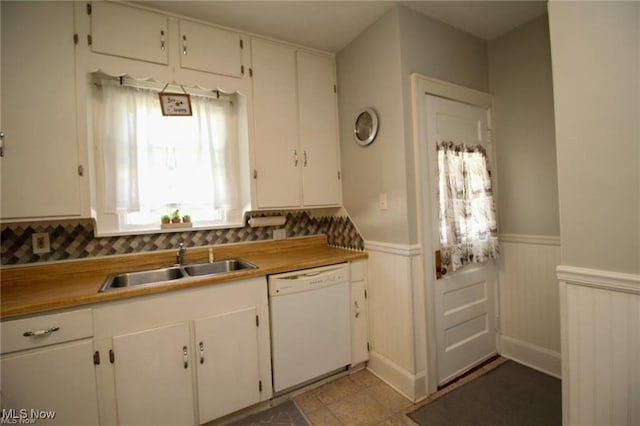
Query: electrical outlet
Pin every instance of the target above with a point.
(40, 243)
(279, 234)
(382, 201)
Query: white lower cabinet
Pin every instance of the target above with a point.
(153, 376)
(228, 373)
(47, 370)
(184, 358)
(359, 317)
(57, 384)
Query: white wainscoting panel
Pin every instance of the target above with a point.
(391, 305)
(600, 313)
(529, 305)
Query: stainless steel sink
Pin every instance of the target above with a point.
(142, 278)
(218, 267)
(171, 273)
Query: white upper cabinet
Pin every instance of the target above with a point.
(40, 146)
(277, 154)
(133, 33)
(317, 114)
(129, 32)
(209, 49)
(295, 127)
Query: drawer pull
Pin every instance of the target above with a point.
(39, 333)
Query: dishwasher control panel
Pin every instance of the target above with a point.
(307, 279)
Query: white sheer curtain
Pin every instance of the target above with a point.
(149, 163)
(468, 231)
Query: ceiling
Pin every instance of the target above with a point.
(331, 25)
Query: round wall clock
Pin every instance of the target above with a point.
(365, 127)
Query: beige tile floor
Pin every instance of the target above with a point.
(363, 399)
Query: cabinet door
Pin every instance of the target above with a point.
(209, 49)
(277, 154)
(129, 32)
(153, 378)
(359, 326)
(59, 379)
(40, 162)
(318, 130)
(228, 375)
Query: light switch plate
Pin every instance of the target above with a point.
(382, 201)
(279, 234)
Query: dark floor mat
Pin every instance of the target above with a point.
(509, 395)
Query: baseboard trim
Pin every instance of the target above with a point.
(412, 386)
(536, 357)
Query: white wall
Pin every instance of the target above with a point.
(369, 75)
(527, 187)
(596, 77)
(595, 49)
(374, 70)
(524, 133)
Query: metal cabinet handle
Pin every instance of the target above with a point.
(304, 162)
(201, 352)
(1, 144)
(162, 41)
(38, 333)
(184, 44)
(185, 356)
(357, 315)
(295, 158)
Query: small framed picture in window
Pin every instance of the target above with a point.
(175, 104)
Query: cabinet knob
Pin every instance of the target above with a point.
(185, 356)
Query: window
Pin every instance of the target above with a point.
(468, 232)
(148, 165)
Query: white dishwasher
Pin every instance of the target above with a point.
(310, 324)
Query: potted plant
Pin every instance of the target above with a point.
(175, 216)
(186, 218)
(165, 219)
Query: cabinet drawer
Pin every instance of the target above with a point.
(46, 330)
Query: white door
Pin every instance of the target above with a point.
(464, 300)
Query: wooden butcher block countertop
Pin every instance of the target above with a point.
(27, 290)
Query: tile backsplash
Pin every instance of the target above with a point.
(74, 239)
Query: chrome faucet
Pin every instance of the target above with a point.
(180, 254)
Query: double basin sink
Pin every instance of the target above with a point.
(172, 273)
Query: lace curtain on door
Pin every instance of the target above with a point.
(468, 231)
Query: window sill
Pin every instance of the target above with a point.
(164, 229)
